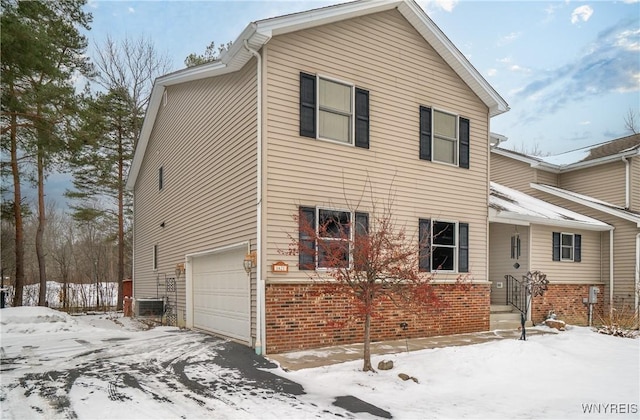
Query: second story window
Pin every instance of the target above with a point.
(444, 137)
(333, 110)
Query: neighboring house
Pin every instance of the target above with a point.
(299, 117)
(601, 182)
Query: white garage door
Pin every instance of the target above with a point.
(221, 294)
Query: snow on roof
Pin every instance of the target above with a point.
(513, 204)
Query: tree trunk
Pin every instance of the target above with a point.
(367, 344)
(120, 224)
(42, 297)
(17, 210)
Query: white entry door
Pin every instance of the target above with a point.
(221, 294)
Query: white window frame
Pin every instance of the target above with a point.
(350, 240)
(456, 152)
(573, 246)
(352, 115)
(455, 246)
(154, 257)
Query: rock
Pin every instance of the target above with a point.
(555, 323)
(385, 365)
(406, 377)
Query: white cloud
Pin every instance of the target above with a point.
(434, 5)
(584, 122)
(519, 69)
(505, 60)
(131, 10)
(630, 1)
(629, 40)
(582, 13)
(93, 4)
(492, 72)
(507, 39)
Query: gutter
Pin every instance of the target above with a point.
(637, 290)
(611, 273)
(260, 286)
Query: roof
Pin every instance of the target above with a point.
(507, 205)
(257, 34)
(580, 158)
(591, 202)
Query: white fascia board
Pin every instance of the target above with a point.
(448, 51)
(526, 220)
(596, 206)
(600, 161)
(322, 16)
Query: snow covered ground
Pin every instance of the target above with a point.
(109, 367)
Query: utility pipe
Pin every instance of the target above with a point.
(260, 330)
(610, 273)
(637, 288)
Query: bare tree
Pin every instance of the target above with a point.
(631, 121)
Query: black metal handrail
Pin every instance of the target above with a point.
(517, 293)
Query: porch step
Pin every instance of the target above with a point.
(505, 317)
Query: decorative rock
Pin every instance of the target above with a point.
(406, 377)
(385, 365)
(555, 323)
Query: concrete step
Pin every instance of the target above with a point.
(505, 320)
(502, 308)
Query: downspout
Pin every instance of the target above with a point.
(260, 331)
(610, 273)
(637, 290)
(627, 183)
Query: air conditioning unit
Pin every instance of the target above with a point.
(149, 307)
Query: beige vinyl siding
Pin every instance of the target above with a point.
(624, 255)
(500, 261)
(604, 182)
(512, 173)
(204, 138)
(635, 184)
(546, 178)
(383, 54)
(586, 271)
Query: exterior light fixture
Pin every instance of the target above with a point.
(249, 262)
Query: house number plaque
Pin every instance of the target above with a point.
(280, 267)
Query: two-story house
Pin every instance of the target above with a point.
(596, 245)
(303, 114)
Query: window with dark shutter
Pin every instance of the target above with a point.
(306, 245)
(360, 241)
(424, 246)
(463, 250)
(362, 118)
(307, 105)
(425, 133)
(556, 246)
(464, 143)
(577, 248)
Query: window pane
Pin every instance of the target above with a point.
(333, 253)
(335, 126)
(335, 96)
(334, 224)
(567, 240)
(444, 124)
(444, 233)
(567, 253)
(444, 150)
(442, 258)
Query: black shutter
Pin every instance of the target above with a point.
(424, 246)
(577, 248)
(361, 231)
(362, 118)
(425, 133)
(463, 247)
(307, 244)
(556, 246)
(307, 105)
(463, 151)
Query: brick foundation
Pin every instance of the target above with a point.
(298, 317)
(565, 300)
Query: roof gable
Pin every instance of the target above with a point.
(258, 33)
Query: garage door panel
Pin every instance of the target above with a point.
(221, 295)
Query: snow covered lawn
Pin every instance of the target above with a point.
(106, 366)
